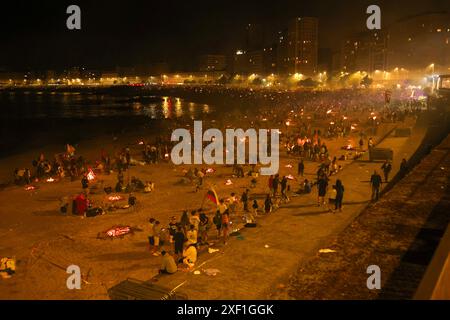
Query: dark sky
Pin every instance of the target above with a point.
(34, 33)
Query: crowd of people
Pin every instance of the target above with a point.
(308, 120)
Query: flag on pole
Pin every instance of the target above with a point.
(212, 195)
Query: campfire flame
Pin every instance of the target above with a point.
(118, 231)
(50, 179)
(29, 188)
(114, 198)
(90, 175)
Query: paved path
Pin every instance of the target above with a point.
(266, 255)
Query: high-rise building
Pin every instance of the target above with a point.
(419, 41)
(302, 45)
(254, 38)
(282, 52)
(212, 62)
(365, 51)
(255, 62)
(270, 59)
(240, 65)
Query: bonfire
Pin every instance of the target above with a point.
(118, 231)
(114, 198)
(90, 175)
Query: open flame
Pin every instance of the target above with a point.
(141, 142)
(30, 188)
(50, 180)
(210, 170)
(90, 175)
(114, 198)
(118, 231)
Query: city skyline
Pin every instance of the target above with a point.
(174, 33)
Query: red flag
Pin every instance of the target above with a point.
(212, 195)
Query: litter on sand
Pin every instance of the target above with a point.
(326, 251)
(211, 272)
(211, 250)
(197, 272)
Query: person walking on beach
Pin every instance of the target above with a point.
(255, 207)
(283, 184)
(85, 182)
(244, 200)
(339, 195)
(225, 226)
(275, 183)
(375, 181)
(386, 167)
(217, 220)
(268, 204)
(151, 238)
(179, 240)
(301, 168)
(271, 185)
(156, 237)
(322, 185)
(203, 228)
(185, 221)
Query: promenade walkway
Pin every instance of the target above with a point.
(264, 257)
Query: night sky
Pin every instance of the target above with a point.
(127, 33)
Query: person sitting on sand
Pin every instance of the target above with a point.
(149, 187)
(168, 265)
(190, 256)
